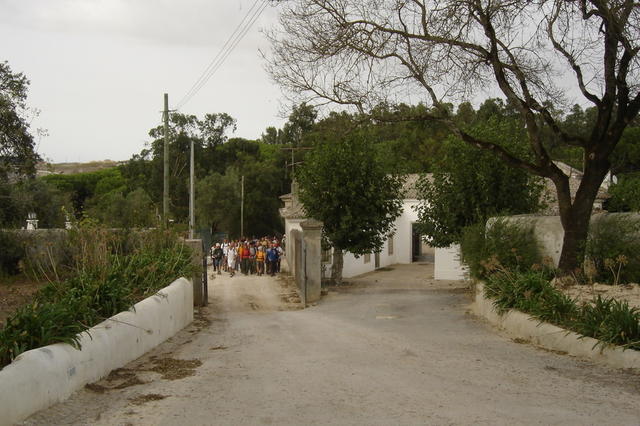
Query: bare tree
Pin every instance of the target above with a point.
(537, 53)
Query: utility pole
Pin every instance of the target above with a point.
(242, 207)
(192, 205)
(165, 193)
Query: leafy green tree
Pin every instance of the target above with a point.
(345, 186)
(118, 210)
(17, 147)
(626, 157)
(32, 195)
(272, 136)
(301, 121)
(469, 186)
(625, 195)
(208, 135)
(81, 187)
(218, 202)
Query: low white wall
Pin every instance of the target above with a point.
(548, 231)
(447, 264)
(523, 326)
(353, 266)
(42, 377)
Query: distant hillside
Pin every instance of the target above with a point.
(72, 168)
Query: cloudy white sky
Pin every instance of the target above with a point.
(99, 68)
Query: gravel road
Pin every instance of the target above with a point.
(392, 348)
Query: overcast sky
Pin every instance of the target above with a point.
(99, 68)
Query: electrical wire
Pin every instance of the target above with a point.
(238, 34)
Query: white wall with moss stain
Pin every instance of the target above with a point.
(41, 377)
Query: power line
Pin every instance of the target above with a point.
(224, 53)
(238, 34)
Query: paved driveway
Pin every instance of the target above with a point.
(392, 348)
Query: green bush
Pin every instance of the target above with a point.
(530, 292)
(11, 254)
(610, 321)
(606, 319)
(511, 245)
(625, 195)
(105, 282)
(613, 247)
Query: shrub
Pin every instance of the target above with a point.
(613, 247)
(625, 195)
(511, 245)
(610, 321)
(530, 292)
(105, 281)
(11, 254)
(606, 319)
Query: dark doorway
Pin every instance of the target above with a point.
(377, 260)
(416, 246)
(420, 249)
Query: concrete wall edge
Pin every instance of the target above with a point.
(520, 325)
(41, 377)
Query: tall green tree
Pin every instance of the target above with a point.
(207, 134)
(218, 202)
(17, 147)
(344, 185)
(118, 209)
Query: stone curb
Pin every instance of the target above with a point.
(519, 325)
(41, 377)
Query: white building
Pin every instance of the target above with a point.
(404, 246)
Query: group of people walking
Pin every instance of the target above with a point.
(249, 256)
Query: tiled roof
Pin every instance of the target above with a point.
(409, 186)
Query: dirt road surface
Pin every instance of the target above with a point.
(392, 348)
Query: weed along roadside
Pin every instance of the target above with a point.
(111, 305)
(517, 291)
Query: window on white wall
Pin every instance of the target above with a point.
(367, 258)
(390, 244)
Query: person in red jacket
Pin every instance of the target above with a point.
(246, 258)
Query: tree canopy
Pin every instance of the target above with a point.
(468, 187)
(17, 147)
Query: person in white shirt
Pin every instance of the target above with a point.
(231, 259)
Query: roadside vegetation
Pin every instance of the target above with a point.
(99, 273)
(507, 258)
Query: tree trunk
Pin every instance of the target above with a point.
(574, 242)
(336, 266)
(576, 216)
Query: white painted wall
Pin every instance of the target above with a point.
(42, 377)
(402, 248)
(447, 264)
(401, 245)
(290, 225)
